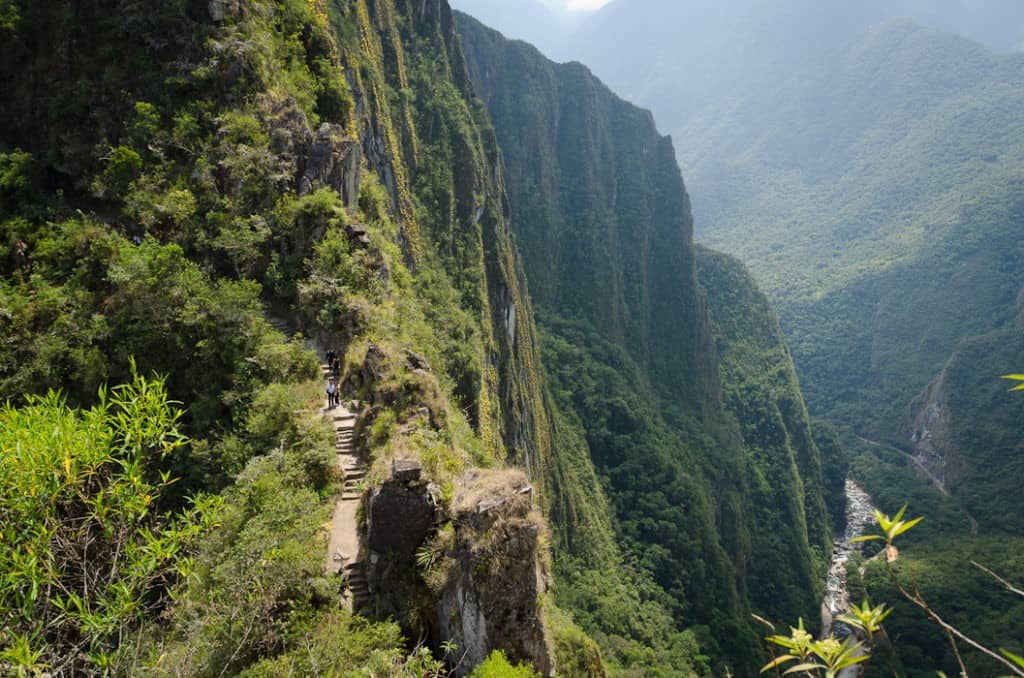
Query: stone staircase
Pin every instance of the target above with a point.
(343, 549)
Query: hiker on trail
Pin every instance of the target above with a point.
(331, 357)
(336, 367)
(332, 395)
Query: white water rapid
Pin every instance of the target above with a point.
(859, 515)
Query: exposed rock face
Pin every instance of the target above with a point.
(491, 599)
(494, 572)
(222, 9)
(333, 161)
(398, 517)
(927, 427)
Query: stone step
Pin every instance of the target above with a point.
(347, 496)
(355, 474)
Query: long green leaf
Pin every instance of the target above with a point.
(804, 667)
(778, 661)
(903, 527)
(1018, 660)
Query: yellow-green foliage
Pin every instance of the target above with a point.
(86, 552)
(576, 654)
(497, 666)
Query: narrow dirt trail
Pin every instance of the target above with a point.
(343, 545)
(343, 554)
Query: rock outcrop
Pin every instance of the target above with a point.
(472, 572)
(927, 428)
(333, 161)
(492, 597)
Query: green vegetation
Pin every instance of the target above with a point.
(872, 183)
(497, 666)
(869, 175)
(689, 410)
(86, 553)
(950, 639)
(164, 194)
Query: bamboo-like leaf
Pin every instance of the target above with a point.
(866, 537)
(1016, 659)
(850, 661)
(1015, 377)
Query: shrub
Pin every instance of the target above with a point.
(84, 553)
(497, 666)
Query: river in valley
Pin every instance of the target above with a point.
(859, 517)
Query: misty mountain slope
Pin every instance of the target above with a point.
(532, 20)
(717, 468)
(857, 185)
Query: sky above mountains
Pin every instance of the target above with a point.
(583, 5)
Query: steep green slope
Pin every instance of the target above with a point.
(701, 488)
(201, 162)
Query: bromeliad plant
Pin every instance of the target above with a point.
(825, 657)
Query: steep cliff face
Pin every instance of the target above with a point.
(328, 155)
(785, 484)
(436, 154)
(712, 441)
(601, 215)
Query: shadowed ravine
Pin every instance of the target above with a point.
(858, 514)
